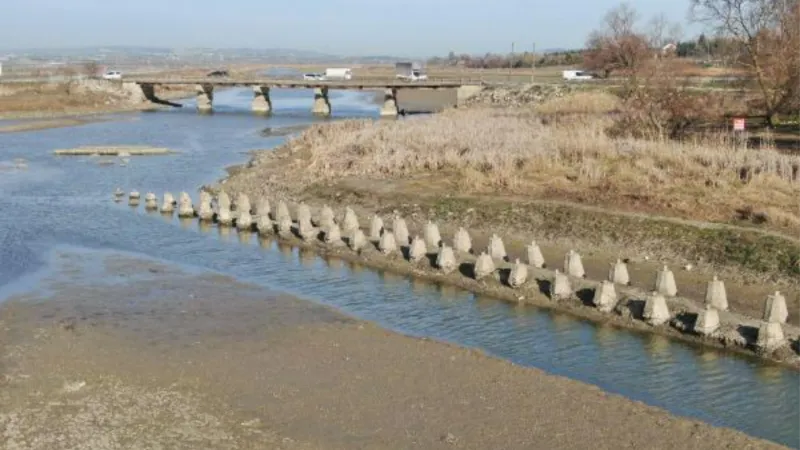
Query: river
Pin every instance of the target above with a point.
(66, 201)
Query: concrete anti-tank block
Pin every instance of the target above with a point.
(285, 226)
(619, 273)
(350, 221)
(573, 265)
(770, 336)
(150, 201)
(418, 250)
(484, 266)
(775, 309)
(535, 257)
(244, 221)
(204, 211)
(243, 204)
(223, 201)
(333, 235)
(357, 240)
(707, 321)
(497, 250)
(119, 192)
(462, 243)
(716, 295)
(264, 224)
(282, 212)
(560, 287)
(224, 217)
(432, 236)
(303, 213)
(133, 198)
(185, 208)
(446, 259)
(168, 203)
(605, 297)
(665, 282)
(306, 230)
(326, 217)
(263, 207)
(375, 228)
(518, 275)
(387, 245)
(656, 311)
(400, 230)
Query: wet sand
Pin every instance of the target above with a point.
(131, 353)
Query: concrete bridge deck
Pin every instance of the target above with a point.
(204, 86)
(359, 83)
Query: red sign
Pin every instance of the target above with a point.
(738, 124)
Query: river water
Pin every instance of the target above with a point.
(66, 201)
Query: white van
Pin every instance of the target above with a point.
(570, 75)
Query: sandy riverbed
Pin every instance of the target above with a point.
(155, 357)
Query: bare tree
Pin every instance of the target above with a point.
(769, 34)
(661, 32)
(90, 68)
(618, 46)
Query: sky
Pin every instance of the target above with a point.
(342, 27)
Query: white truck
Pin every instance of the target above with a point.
(338, 74)
(410, 72)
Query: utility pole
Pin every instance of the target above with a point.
(511, 62)
(533, 63)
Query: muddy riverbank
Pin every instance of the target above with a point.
(192, 360)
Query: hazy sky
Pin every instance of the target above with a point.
(352, 27)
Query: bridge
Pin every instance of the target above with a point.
(262, 103)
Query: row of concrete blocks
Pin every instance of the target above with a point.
(656, 311)
(262, 103)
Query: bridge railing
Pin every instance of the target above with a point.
(355, 81)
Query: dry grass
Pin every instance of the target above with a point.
(572, 158)
(581, 102)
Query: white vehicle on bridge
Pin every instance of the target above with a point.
(112, 75)
(313, 76)
(338, 74)
(407, 71)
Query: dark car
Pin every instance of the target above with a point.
(218, 73)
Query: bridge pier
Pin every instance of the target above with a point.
(389, 108)
(322, 107)
(262, 104)
(205, 97)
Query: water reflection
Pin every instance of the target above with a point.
(245, 237)
(307, 257)
(604, 334)
(334, 263)
(224, 233)
(265, 242)
(285, 249)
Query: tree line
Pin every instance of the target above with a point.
(759, 38)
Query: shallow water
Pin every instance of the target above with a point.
(60, 201)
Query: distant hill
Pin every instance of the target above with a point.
(190, 55)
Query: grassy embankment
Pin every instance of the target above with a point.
(553, 174)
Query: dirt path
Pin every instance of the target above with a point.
(152, 357)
